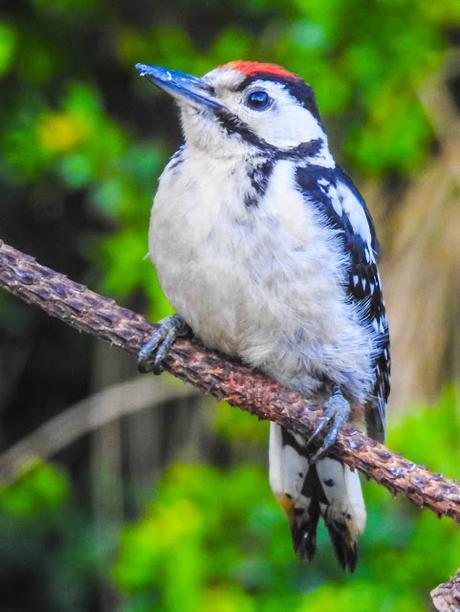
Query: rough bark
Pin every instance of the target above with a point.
(223, 378)
(446, 596)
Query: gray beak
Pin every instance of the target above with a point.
(183, 86)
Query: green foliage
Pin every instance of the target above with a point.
(8, 42)
(61, 124)
(239, 427)
(433, 428)
(195, 506)
(215, 539)
(43, 532)
(39, 492)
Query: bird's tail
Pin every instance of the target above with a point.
(327, 488)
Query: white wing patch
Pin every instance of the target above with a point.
(355, 213)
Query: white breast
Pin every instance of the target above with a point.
(264, 283)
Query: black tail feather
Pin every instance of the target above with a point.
(303, 531)
(328, 489)
(345, 548)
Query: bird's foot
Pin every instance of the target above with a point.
(336, 413)
(154, 351)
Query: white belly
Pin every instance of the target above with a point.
(262, 282)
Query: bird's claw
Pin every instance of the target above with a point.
(154, 351)
(335, 415)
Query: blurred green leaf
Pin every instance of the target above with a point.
(8, 41)
(217, 536)
(238, 426)
(39, 489)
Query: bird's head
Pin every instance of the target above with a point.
(244, 105)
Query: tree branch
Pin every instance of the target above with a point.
(446, 596)
(212, 373)
(87, 415)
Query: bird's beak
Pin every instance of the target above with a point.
(185, 87)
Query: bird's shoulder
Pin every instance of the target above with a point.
(342, 208)
(337, 199)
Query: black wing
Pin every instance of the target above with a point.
(338, 200)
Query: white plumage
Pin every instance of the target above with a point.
(249, 282)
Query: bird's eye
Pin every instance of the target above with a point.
(258, 99)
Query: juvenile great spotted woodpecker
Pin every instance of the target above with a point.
(267, 251)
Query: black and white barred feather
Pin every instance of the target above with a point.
(329, 488)
(342, 207)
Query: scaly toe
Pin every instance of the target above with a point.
(154, 351)
(336, 414)
(331, 436)
(148, 349)
(323, 423)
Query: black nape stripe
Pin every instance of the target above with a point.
(302, 150)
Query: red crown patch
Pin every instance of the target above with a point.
(250, 68)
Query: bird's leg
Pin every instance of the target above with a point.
(154, 351)
(336, 412)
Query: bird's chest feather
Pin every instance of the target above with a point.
(238, 272)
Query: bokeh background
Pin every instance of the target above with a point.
(122, 492)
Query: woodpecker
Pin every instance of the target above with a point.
(268, 253)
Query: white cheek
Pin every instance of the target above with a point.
(293, 124)
(283, 125)
(286, 123)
